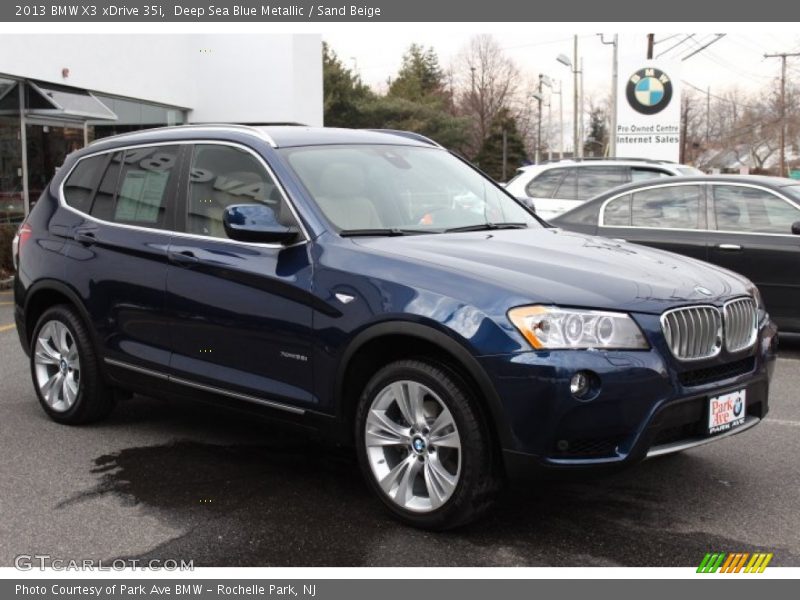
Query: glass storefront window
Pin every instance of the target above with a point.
(132, 116)
(12, 203)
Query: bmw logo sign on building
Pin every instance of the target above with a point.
(649, 91)
(648, 107)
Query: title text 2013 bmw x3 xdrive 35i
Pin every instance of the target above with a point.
(376, 288)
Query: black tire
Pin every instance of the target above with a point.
(94, 399)
(480, 475)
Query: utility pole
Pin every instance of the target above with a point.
(783, 56)
(581, 113)
(505, 152)
(708, 114)
(612, 138)
(651, 42)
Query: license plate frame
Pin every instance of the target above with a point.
(726, 411)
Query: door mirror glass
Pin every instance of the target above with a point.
(796, 228)
(256, 223)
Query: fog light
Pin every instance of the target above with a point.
(579, 384)
(584, 385)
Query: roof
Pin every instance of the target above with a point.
(600, 161)
(278, 136)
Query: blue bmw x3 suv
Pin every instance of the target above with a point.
(374, 288)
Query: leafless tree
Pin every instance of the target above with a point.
(487, 81)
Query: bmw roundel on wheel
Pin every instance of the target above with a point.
(376, 288)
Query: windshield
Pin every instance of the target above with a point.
(401, 189)
(793, 191)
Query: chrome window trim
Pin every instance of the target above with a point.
(204, 387)
(601, 220)
(721, 331)
(200, 141)
(246, 129)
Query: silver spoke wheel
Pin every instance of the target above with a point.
(57, 366)
(413, 446)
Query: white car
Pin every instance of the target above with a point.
(553, 188)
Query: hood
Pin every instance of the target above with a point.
(554, 266)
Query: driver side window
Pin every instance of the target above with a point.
(221, 176)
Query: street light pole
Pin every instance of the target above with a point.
(612, 139)
(560, 121)
(539, 123)
(575, 98)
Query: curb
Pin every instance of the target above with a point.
(7, 284)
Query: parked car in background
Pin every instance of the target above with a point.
(377, 290)
(553, 188)
(750, 225)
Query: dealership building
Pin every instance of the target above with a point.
(60, 92)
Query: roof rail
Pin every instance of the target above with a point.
(410, 135)
(244, 128)
(655, 161)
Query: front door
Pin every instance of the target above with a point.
(241, 311)
(752, 236)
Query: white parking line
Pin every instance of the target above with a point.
(783, 422)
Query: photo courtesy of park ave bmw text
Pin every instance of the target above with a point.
(296, 299)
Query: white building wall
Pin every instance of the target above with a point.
(235, 78)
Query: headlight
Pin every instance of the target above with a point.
(551, 328)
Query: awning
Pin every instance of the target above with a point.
(51, 100)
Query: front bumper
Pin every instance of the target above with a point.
(648, 403)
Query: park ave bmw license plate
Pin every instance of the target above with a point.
(726, 411)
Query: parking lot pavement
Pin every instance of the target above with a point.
(173, 480)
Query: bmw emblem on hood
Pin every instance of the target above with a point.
(703, 290)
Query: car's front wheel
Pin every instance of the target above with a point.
(423, 445)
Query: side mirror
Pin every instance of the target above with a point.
(796, 228)
(256, 223)
(527, 203)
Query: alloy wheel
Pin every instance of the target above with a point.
(57, 366)
(413, 446)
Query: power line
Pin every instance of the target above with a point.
(701, 48)
(683, 41)
(722, 98)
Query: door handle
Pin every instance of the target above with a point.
(182, 257)
(730, 247)
(85, 237)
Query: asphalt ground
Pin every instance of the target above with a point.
(173, 480)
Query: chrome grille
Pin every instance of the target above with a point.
(741, 326)
(694, 332)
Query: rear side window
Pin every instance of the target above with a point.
(143, 189)
(82, 182)
(544, 186)
(596, 180)
(667, 207)
(103, 207)
(617, 213)
(221, 176)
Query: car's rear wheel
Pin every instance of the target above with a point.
(424, 446)
(65, 370)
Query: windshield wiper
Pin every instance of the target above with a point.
(487, 227)
(394, 231)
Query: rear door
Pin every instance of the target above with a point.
(670, 217)
(117, 250)
(242, 312)
(751, 234)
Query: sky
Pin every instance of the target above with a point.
(736, 60)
